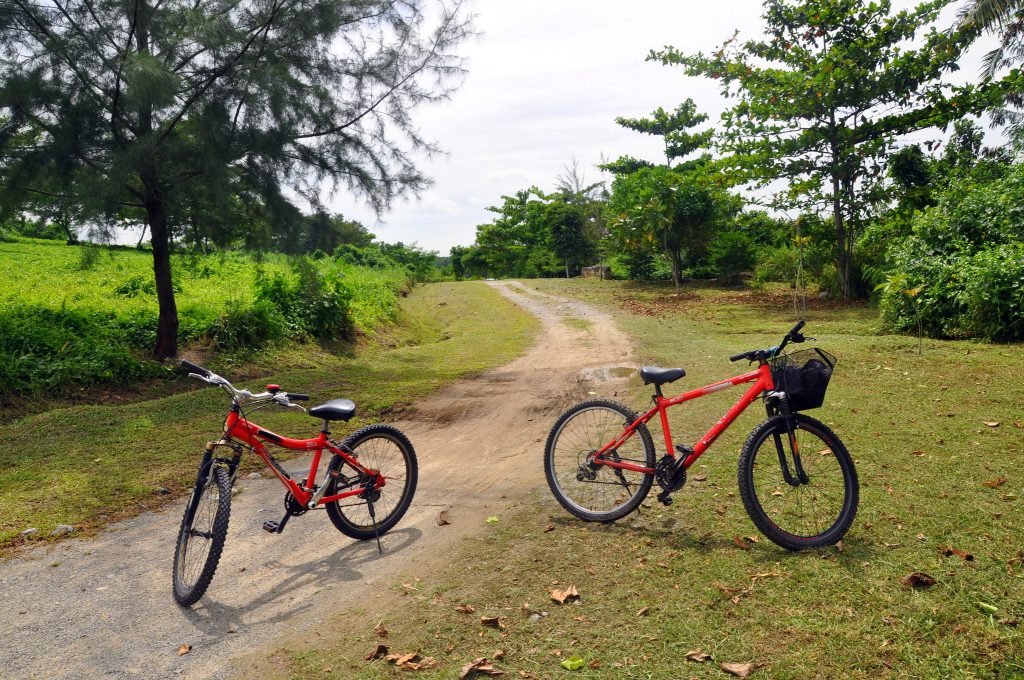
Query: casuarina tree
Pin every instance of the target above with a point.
(159, 111)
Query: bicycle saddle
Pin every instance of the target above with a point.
(659, 376)
(335, 409)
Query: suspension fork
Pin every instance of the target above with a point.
(798, 466)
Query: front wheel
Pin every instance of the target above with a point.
(201, 538)
(590, 490)
(387, 450)
(798, 482)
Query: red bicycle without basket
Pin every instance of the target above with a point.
(366, 488)
(796, 479)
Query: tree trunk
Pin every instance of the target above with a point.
(842, 255)
(566, 267)
(677, 268)
(167, 326)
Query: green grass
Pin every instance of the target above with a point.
(87, 465)
(915, 425)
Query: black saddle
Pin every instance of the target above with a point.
(335, 409)
(659, 376)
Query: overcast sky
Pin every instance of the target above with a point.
(546, 81)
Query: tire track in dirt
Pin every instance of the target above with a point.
(102, 608)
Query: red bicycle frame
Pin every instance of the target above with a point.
(762, 379)
(238, 427)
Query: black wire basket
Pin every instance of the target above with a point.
(803, 376)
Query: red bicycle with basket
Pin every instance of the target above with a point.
(797, 480)
(366, 488)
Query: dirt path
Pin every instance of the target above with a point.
(102, 608)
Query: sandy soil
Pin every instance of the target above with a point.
(102, 608)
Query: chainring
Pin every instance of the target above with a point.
(667, 476)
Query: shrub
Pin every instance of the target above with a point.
(313, 304)
(732, 253)
(776, 264)
(243, 325)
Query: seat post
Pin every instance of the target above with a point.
(326, 428)
(657, 389)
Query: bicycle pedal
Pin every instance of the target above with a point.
(665, 499)
(270, 526)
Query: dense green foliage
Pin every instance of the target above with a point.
(77, 316)
(197, 118)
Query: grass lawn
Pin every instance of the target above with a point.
(88, 465)
(937, 475)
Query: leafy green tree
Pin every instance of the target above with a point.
(150, 103)
(567, 225)
(1004, 18)
(673, 127)
(660, 206)
(823, 96)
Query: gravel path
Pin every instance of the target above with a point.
(102, 608)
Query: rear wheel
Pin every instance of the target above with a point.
(201, 538)
(377, 447)
(592, 491)
(793, 513)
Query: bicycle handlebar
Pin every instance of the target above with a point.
(793, 335)
(241, 396)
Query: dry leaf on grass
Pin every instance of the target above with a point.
(740, 670)
(481, 666)
(995, 483)
(550, 527)
(379, 653)
(499, 654)
(492, 622)
(401, 659)
(699, 478)
(184, 649)
(740, 543)
(442, 518)
(380, 631)
(698, 656)
(918, 579)
(948, 551)
(465, 609)
(563, 596)
(991, 423)
(644, 611)
(778, 493)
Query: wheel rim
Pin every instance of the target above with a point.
(385, 455)
(197, 542)
(601, 489)
(806, 511)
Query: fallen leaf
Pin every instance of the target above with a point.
(401, 659)
(778, 493)
(740, 543)
(839, 545)
(465, 609)
(184, 649)
(563, 596)
(595, 664)
(493, 519)
(643, 611)
(698, 656)
(728, 590)
(991, 423)
(573, 663)
(825, 452)
(380, 652)
(499, 654)
(380, 631)
(751, 539)
(917, 580)
(740, 670)
(995, 483)
(550, 527)
(948, 550)
(700, 478)
(918, 454)
(442, 518)
(492, 622)
(481, 666)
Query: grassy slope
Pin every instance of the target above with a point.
(915, 425)
(85, 465)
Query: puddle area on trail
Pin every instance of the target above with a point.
(614, 373)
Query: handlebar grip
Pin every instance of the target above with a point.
(297, 397)
(799, 324)
(737, 357)
(194, 368)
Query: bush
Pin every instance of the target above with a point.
(247, 326)
(776, 264)
(732, 253)
(313, 304)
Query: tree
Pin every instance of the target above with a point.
(664, 207)
(673, 128)
(567, 224)
(151, 103)
(824, 95)
(1004, 18)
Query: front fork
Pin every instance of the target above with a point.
(800, 477)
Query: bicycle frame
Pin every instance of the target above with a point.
(762, 382)
(238, 427)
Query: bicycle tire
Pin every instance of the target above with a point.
(583, 429)
(190, 580)
(771, 502)
(384, 448)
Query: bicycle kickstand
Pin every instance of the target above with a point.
(373, 518)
